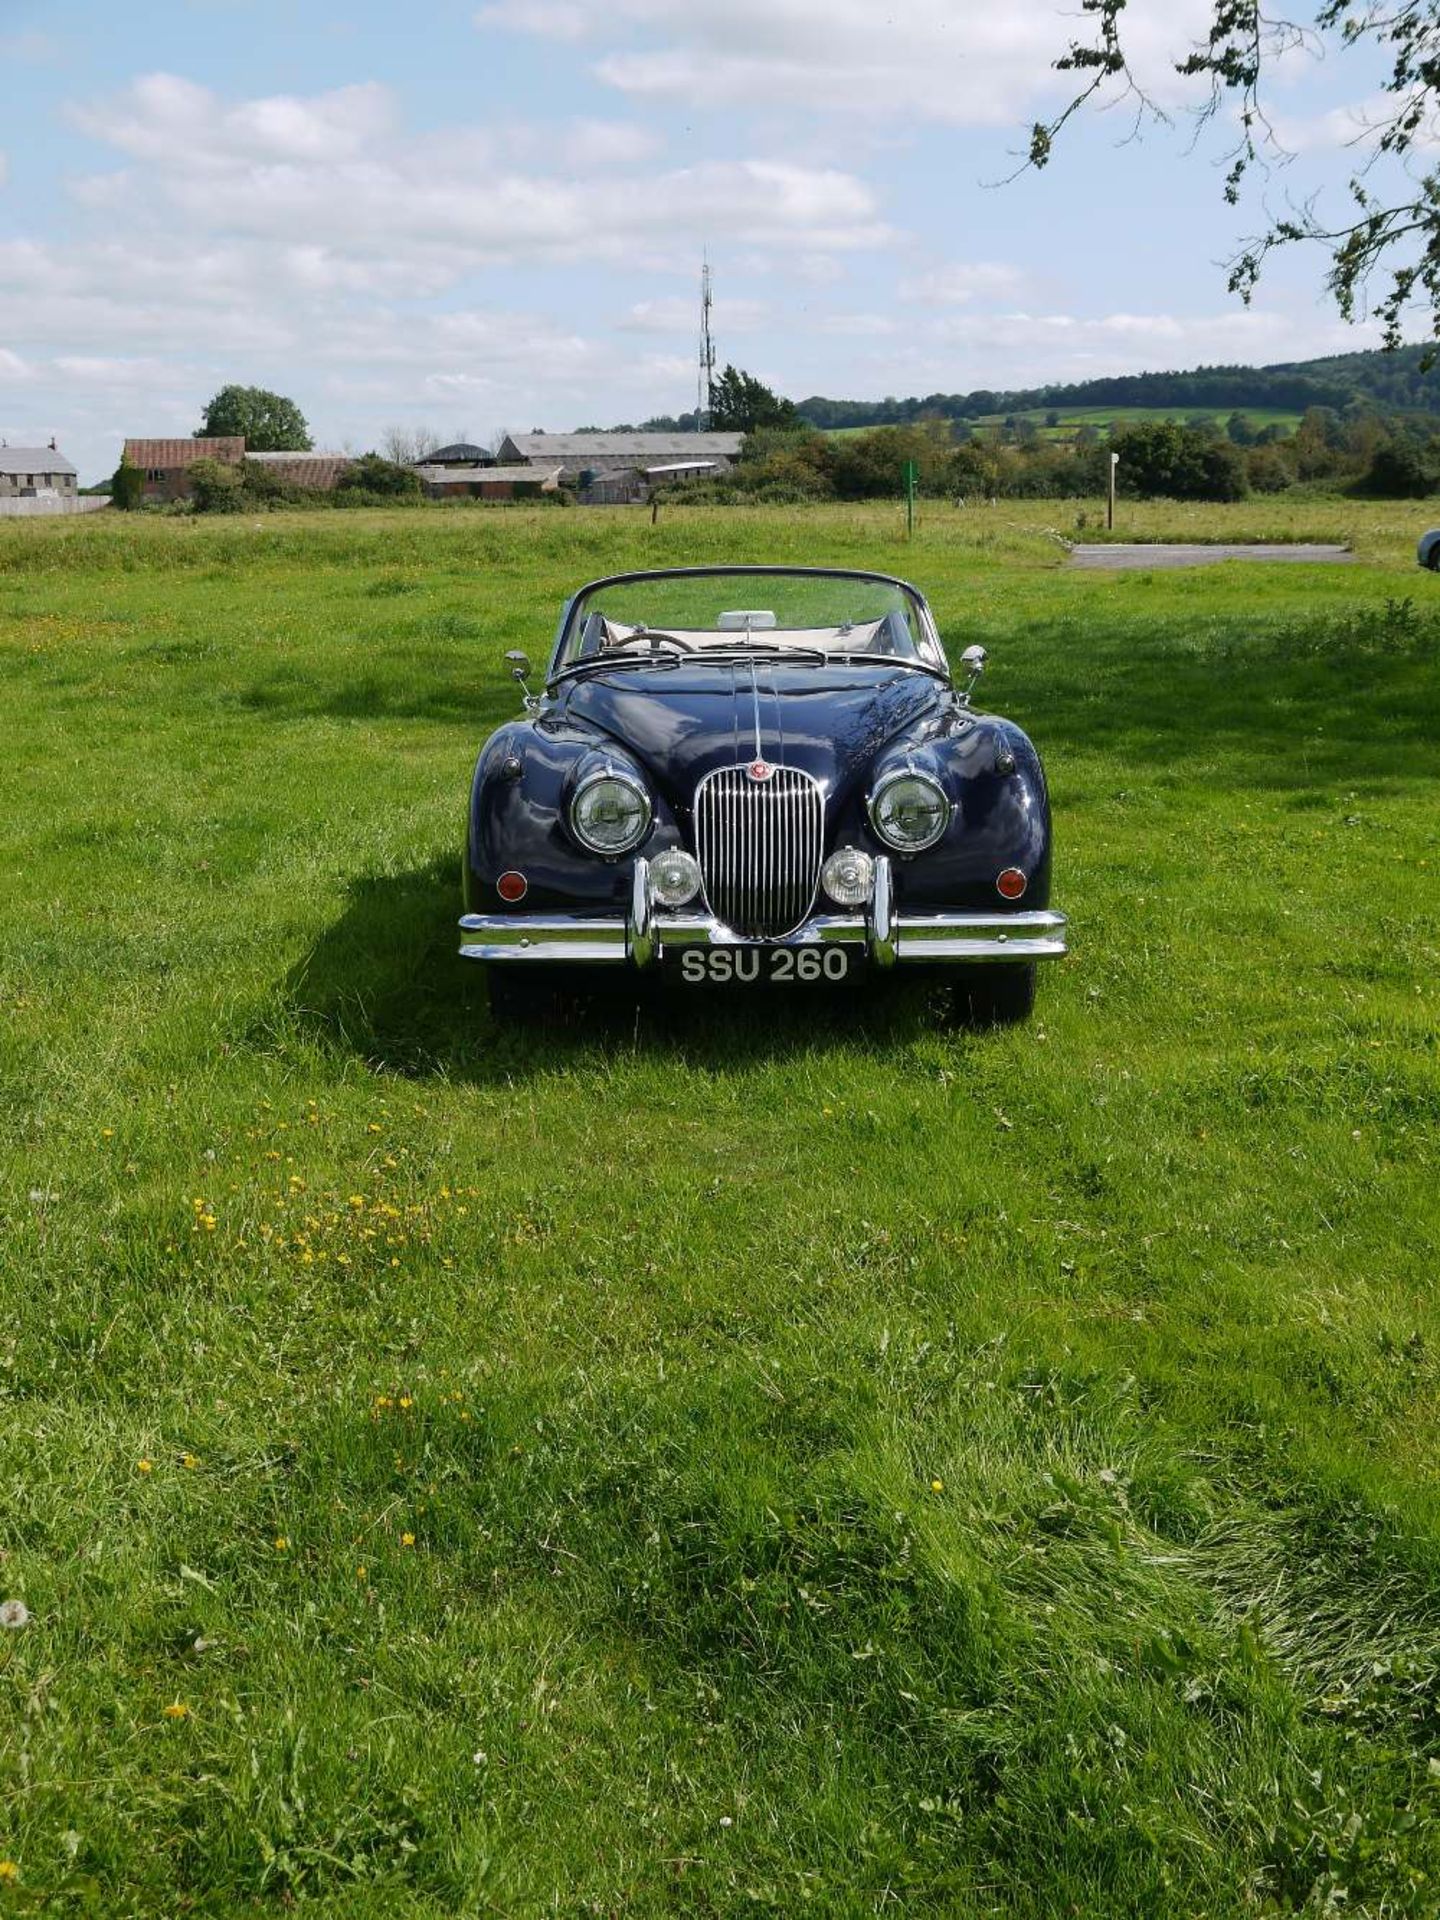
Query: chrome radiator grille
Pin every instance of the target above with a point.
(759, 844)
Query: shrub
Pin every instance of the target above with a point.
(217, 488)
(127, 488)
(374, 475)
(1400, 470)
(1267, 470)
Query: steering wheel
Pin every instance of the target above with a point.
(654, 641)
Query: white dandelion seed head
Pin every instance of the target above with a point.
(14, 1614)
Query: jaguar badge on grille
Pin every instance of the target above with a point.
(760, 770)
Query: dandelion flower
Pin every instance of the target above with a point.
(9, 1871)
(189, 1460)
(177, 1710)
(937, 1486)
(143, 1466)
(107, 1133)
(282, 1542)
(362, 1573)
(407, 1539)
(14, 1614)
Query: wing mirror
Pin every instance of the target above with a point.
(973, 660)
(520, 670)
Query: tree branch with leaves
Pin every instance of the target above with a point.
(1391, 230)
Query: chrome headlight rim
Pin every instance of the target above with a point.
(860, 890)
(893, 779)
(671, 898)
(611, 776)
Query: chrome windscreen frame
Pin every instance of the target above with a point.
(646, 934)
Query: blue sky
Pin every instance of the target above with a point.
(490, 214)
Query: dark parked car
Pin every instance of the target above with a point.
(749, 774)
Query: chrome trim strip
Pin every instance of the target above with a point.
(883, 949)
(924, 939)
(642, 923)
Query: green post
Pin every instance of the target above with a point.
(912, 474)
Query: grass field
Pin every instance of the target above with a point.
(726, 1461)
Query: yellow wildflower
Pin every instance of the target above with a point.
(407, 1539)
(177, 1710)
(362, 1573)
(143, 1466)
(937, 1486)
(9, 1870)
(189, 1460)
(282, 1542)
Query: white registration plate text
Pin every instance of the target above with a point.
(777, 965)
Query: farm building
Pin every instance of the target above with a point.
(320, 471)
(463, 453)
(581, 456)
(633, 486)
(487, 483)
(34, 473)
(166, 464)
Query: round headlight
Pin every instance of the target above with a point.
(909, 812)
(610, 813)
(848, 876)
(674, 877)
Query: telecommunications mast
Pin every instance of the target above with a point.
(707, 351)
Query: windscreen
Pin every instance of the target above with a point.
(821, 614)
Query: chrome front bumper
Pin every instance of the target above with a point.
(644, 935)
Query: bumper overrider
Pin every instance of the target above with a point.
(889, 938)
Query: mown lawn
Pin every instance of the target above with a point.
(730, 1460)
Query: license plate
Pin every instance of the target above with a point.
(777, 966)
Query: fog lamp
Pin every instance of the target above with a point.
(848, 876)
(674, 878)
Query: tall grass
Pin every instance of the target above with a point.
(728, 1457)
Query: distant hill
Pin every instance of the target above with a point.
(1390, 382)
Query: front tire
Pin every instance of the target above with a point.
(994, 996)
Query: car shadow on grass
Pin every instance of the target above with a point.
(386, 984)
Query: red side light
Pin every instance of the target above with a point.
(512, 886)
(1011, 883)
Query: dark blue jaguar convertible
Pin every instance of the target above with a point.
(747, 774)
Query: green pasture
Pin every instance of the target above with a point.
(721, 1458)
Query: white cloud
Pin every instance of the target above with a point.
(678, 314)
(12, 368)
(962, 62)
(1350, 126)
(288, 170)
(958, 285)
(167, 119)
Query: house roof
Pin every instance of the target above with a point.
(638, 446)
(295, 457)
(184, 453)
(487, 476)
(33, 460)
(463, 453)
(322, 471)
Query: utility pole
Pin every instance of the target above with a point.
(1110, 502)
(706, 377)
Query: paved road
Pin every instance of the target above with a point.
(1110, 558)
